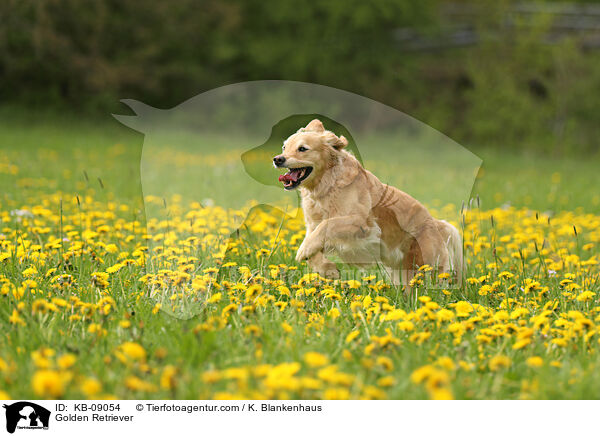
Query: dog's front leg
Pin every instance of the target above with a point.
(312, 244)
(324, 266)
(332, 230)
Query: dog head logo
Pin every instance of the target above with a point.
(26, 415)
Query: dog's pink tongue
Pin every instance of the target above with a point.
(291, 176)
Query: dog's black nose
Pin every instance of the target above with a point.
(278, 160)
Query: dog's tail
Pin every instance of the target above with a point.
(455, 250)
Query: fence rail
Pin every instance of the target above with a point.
(565, 20)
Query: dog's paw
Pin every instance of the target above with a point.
(307, 249)
(330, 273)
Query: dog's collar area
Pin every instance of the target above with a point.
(294, 177)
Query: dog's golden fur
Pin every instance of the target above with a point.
(348, 211)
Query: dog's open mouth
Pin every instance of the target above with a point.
(294, 177)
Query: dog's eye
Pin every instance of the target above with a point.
(302, 148)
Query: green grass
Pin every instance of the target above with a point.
(61, 148)
(59, 158)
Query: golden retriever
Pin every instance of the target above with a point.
(349, 212)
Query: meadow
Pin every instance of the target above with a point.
(99, 301)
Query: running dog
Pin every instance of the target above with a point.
(349, 212)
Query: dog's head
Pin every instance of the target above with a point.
(307, 154)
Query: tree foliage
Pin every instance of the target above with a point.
(511, 88)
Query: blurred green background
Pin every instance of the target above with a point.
(515, 82)
(487, 73)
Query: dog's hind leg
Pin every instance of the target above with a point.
(410, 264)
(434, 251)
(454, 246)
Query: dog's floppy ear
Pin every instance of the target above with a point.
(336, 142)
(315, 126)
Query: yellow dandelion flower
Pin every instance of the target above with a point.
(421, 374)
(90, 387)
(16, 319)
(336, 394)
(586, 296)
(385, 362)
(66, 361)
(406, 326)
(353, 284)
(499, 362)
(48, 383)
(315, 360)
(446, 363)
(284, 291)
(521, 344)
(132, 350)
(167, 377)
(211, 376)
(30, 272)
(386, 382)
(352, 335)
(441, 394)
(463, 309)
(215, 298)
(333, 313)
(535, 362)
(136, 384)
